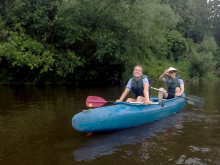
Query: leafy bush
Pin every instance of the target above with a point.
(201, 57)
(154, 68)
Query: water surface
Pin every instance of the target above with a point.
(35, 128)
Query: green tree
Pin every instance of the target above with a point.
(76, 40)
(113, 31)
(202, 58)
(21, 52)
(186, 10)
(214, 11)
(202, 21)
(176, 44)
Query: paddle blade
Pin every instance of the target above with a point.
(196, 101)
(95, 101)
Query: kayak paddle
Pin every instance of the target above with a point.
(95, 101)
(193, 100)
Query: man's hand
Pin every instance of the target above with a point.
(166, 72)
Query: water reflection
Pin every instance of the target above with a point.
(109, 143)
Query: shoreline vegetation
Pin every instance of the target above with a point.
(93, 42)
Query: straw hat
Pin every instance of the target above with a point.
(173, 69)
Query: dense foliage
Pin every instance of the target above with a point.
(92, 41)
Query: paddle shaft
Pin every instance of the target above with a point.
(95, 101)
(112, 102)
(193, 100)
(153, 103)
(172, 94)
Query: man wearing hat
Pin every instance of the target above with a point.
(174, 83)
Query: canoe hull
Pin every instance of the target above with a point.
(123, 115)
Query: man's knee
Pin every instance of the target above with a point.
(162, 89)
(177, 90)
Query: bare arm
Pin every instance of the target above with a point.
(146, 94)
(124, 94)
(161, 78)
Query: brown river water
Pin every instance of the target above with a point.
(36, 128)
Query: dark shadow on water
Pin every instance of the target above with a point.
(106, 143)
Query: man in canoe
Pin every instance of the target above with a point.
(174, 83)
(141, 86)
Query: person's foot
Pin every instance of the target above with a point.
(89, 133)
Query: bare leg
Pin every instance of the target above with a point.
(131, 100)
(162, 95)
(177, 90)
(140, 99)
